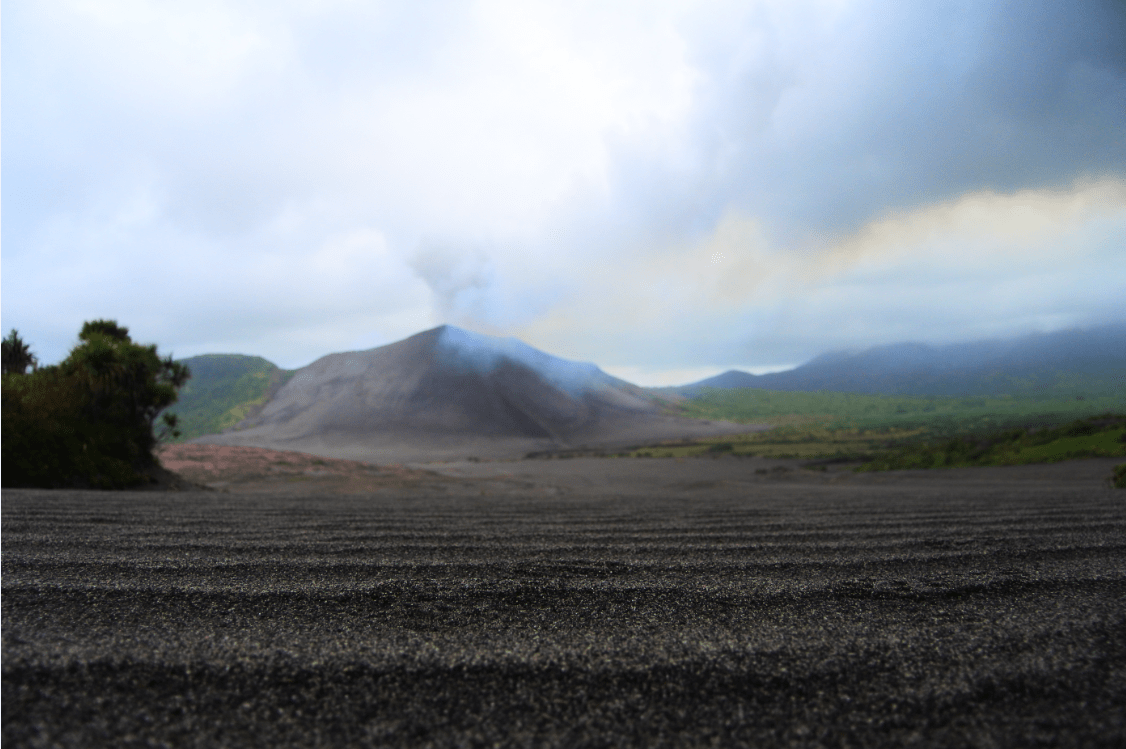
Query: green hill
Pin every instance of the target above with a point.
(224, 389)
(940, 416)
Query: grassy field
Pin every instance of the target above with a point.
(1083, 438)
(962, 434)
(1102, 436)
(900, 431)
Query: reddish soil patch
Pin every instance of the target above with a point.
(256, 469)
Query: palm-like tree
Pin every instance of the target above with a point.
(17, 357)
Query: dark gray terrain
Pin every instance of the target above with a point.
(576, 603)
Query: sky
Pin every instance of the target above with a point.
(667, 189)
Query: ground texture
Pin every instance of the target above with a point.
(575, 603)
(255, 470)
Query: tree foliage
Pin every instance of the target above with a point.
(17, 357)
(89, 420)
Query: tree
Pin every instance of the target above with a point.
(129, 384)
(17, 357)
(89, 421)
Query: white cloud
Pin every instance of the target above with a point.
(177, 57)
(645, 184)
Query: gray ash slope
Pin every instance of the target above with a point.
(447, 393)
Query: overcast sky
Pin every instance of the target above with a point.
(666, 189)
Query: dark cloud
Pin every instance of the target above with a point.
(896, 105)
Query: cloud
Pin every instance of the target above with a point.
(984, 264)
(817, 115)
(291, 177)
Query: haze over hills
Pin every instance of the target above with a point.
(447, 393)
(1071, 362)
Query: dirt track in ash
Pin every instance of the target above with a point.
(575, 603)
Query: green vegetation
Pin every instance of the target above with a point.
(1118, 480)
(17, 357)
(1101, 436)
(225, 389)
(937, 416)
(89, 421)
(898, 431)
(892, 448)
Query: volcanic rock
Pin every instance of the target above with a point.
(448, 393)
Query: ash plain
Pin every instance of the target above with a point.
(584, 602)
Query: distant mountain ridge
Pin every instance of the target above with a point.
(551, 399)
(1066, 362)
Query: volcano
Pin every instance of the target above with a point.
(446, 394)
